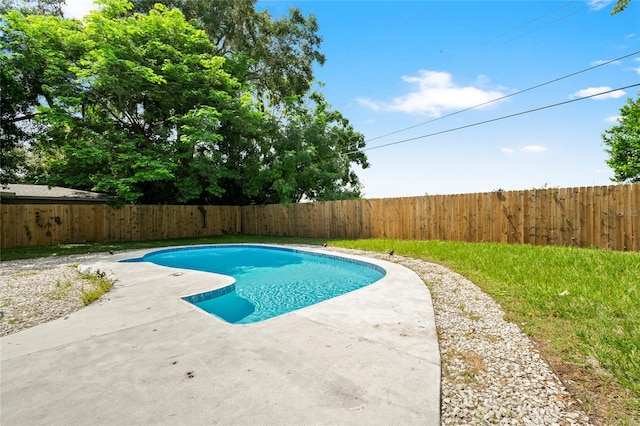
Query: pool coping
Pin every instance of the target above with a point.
(367, 357)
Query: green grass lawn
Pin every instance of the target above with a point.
(582, 306)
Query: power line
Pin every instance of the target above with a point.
(531, 21)
(503, 97)
(517, 27)
(498, 118)
(542, 26)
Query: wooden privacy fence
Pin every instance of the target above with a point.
(45, 224)
(606, 217)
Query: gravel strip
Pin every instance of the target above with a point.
(491, 371)
(35, 291)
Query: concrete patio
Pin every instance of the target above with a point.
(142, 355)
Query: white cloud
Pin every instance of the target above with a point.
(615, 119)
(590, 91)
(599, 4)
(603, 61)
(436, 92)
(631, 35)
(528, 148)
(534, 148)
(370, 103)
(482, 80)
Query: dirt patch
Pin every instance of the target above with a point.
(606, 402)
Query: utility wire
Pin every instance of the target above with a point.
(503, 97)
(477, 51)
(542, 26)
(531, 21)
(497, 119)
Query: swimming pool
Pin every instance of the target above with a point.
(270, 281)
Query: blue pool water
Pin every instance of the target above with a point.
(270, 281)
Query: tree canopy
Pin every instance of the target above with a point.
(623, 141)
(154, 106)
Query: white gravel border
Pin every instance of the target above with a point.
(35, 291)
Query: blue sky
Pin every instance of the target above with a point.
(393, 65)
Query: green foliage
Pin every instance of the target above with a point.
(311, 156)
(620, 6)
(145, 106)
(145, 84)
(623, 140)
(22, 69)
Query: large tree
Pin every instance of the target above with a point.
(623, 140)
(144, 106)
(132, 105)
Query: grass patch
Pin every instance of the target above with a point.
(98, 285)
(61, 291)
(581, 305)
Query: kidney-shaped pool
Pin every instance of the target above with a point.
(270, 281)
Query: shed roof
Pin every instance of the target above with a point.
(23, 193)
